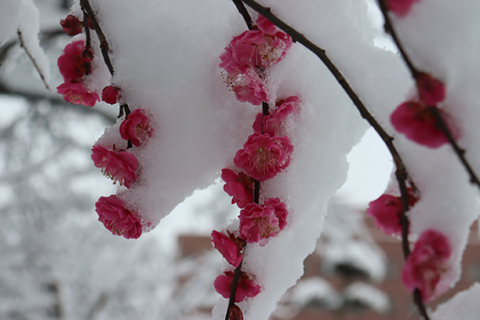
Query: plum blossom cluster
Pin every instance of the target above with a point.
(77, 68)
(266, 153)
(429, 260)
(122, 166)
(420, 118)
(417, 119)
(248, 57)
(117, 163)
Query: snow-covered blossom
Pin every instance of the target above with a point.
(245, 287)
(110, 94)
(260, 47)
(229, 246)
(76, 93)
(430, 90)
(247, 86)
(258, 223)
(239, 186)
(264, 155)
(247, 56)
(136, 127)
(418, 122)
(116, 218)
(272, 122)
(71, 25)
(119, 166)
(427, 263)
(71, 63)
(400, 7)
(387, 212)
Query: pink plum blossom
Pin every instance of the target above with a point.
(264, 155)
(387, 212)
(119, 166)
(400, 7)
(71, 25)
(242, 52)
(71, 64)
(430, 90)
(258, 223)
(419, 124)
(110, 94)
(245, 287)
(76, 93)
(273, 121)
(136, 127)
(230, 246)
(239, 186)
(427, 263)
(116, 218)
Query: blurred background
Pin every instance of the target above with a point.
(58, 262)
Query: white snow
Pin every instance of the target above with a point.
(372, 296)
(464, 305)
(315, 288)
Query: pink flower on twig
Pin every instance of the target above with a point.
(136, 127)
(258, 223)
(230, 246)
(430, 90)
(239, 186)
(119, 166)
(418, 122)
(263, 155)
(427, 263)
(77, 93)
(245, 287)
(273, 121)
(387, 212)
(248, 86)
(110, 94)
(71, 64)
(116, 218)
(71, 25)
(400, 7)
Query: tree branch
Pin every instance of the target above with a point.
(401, 171)
(101, 36)
(35, 64)
(243, 11)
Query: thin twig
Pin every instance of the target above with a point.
(390, 30)
(101, 36)
(35, 64)
(458, 151)
(243, 11)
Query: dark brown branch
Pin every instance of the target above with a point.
(101, 36)
(243, 11)
(390, 30)
(458, 151)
